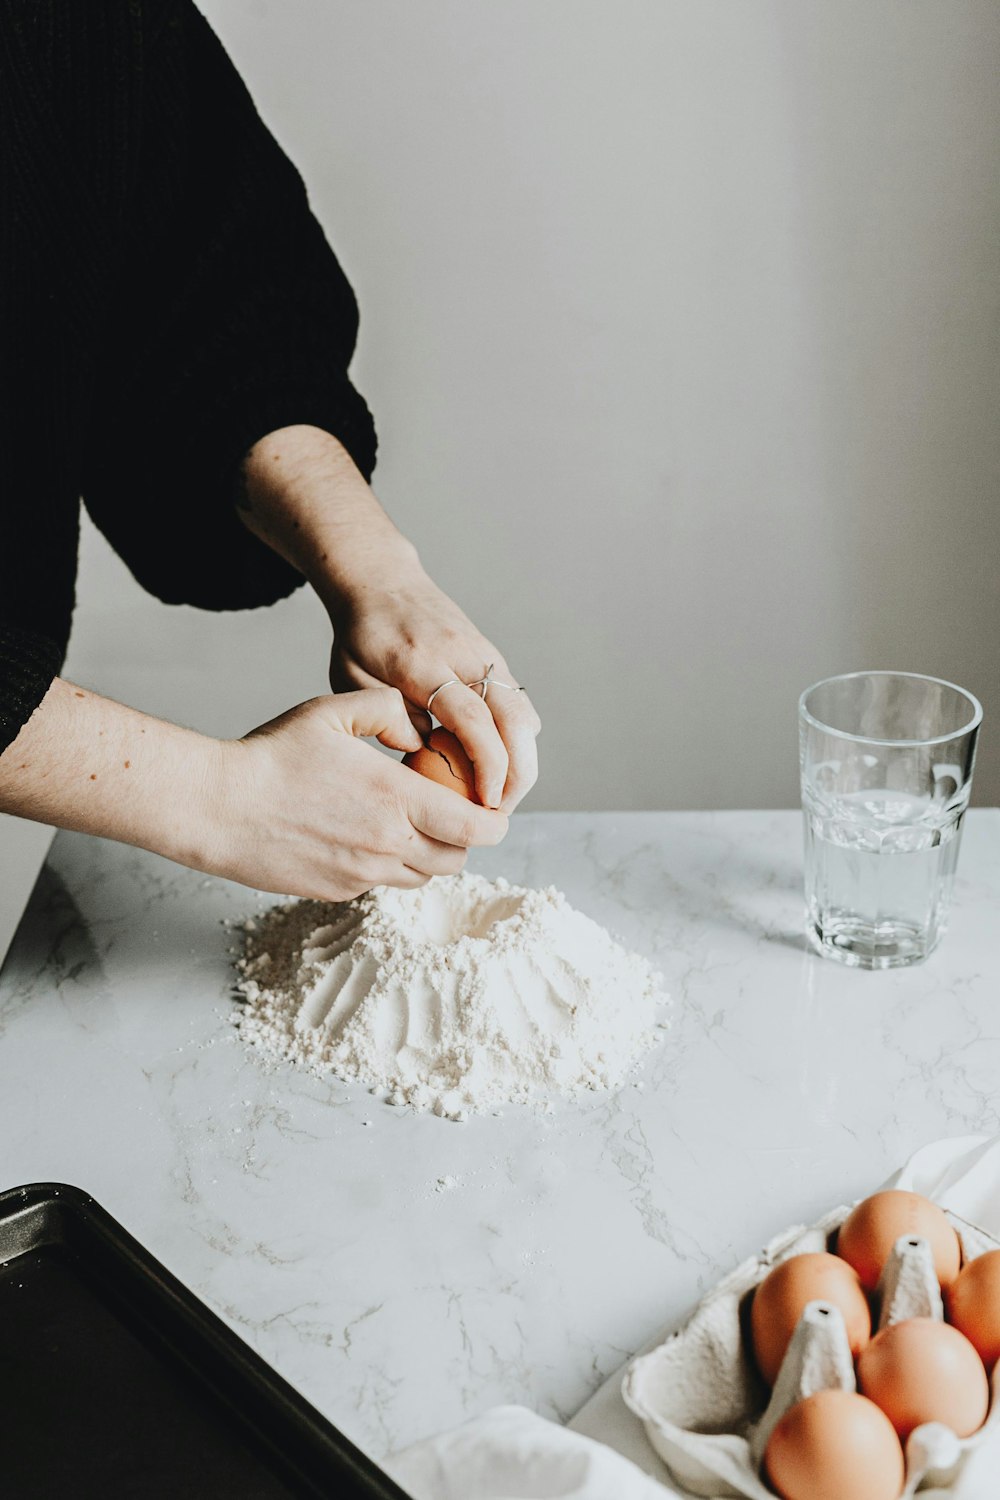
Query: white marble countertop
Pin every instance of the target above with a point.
(312, 1217)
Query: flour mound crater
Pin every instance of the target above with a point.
(463, 995)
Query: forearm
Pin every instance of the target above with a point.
(302, 494)
(88, 763)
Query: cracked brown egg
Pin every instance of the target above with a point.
(443, 759)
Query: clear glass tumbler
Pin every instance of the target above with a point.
(886, 761)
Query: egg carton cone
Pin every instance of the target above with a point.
(908, 1287)
(708, 1414)
(818, 1359)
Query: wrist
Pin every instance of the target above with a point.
(304, 496)
(370, 563)
(196, 813)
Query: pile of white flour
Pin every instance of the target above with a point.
(462, 995)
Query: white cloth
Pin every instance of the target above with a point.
(962, 1174)
(509, 1453)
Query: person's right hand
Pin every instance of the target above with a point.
(306, 808)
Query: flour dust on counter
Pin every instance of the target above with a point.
(461, 996)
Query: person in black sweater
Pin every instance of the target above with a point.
(175, 335)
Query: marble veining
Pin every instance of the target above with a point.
(405, 1271)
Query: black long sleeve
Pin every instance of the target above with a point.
(166, 299)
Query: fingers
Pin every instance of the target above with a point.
(395, 874)
(432, 857)
(498, 733)
(419, 860)
(346, 674)
(421, 720)
(518, 725)
(381, 712)
(467, 715)
(506, 715)
(447, 818)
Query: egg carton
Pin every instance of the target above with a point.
(709, 1415)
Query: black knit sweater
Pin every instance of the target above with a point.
(166, 299)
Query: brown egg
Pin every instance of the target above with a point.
(972, 1303)
(444, 760)
(871, 1229)
(778, 1302)
(835, 1446)
(921, 1370)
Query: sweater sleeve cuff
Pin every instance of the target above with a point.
(343, 413)
(28, 663)
(204, 555)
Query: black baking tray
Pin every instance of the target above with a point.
(116, 1382)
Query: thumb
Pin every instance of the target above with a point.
(381, 712)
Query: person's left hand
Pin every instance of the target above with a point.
(406, 632)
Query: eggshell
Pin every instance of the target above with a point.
(835, 1446)
(972, 1303)
(871, 1229)
(924, 1371)
(444, 760)
(779, 1301)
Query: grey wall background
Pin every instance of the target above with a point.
(681, 323)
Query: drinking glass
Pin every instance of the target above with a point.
(886, 761)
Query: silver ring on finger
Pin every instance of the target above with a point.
(485, 682)
(452, 682)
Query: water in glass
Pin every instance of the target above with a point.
(879, 871)
(887, 761)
